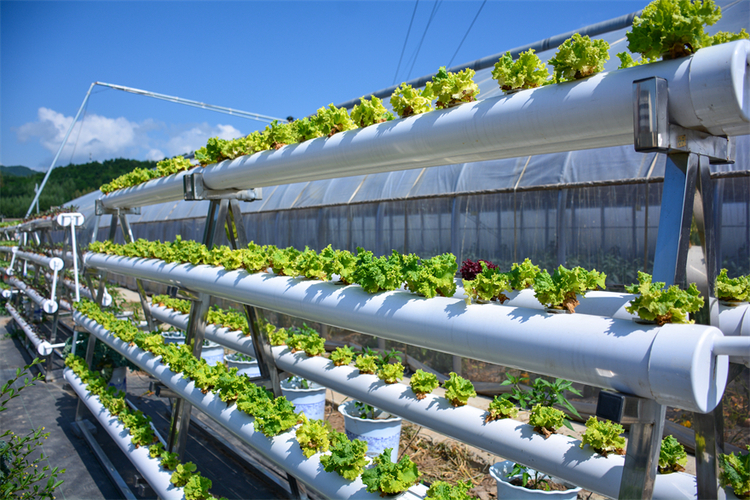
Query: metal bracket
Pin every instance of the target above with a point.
(195, 190)
(100, 209)
(653, 131)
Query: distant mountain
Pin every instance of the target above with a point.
(17, 170)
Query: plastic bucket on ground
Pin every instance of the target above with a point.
(380, 433)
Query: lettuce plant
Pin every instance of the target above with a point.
(672, 28)
(407, 101)
(197, 488)
(211, 152)
(347, 458)
(312, 436)
(389, 478)
(422, 383)
(522, 275)
(342, 356)
(452, 89)
(307, 129)
(732, 289)
(672, 456)
(279, 134)
(458, 390)
(735, 472)
(276, 336)
(603, 436)
(331, 120)
(169, 460)
(725, 37)
(488, 285)
(310, 265)
(314, 345)
(182, 474)
(579, 57)
(546, 420)
(663, 306)
(560, 290)
(275, 418)
(440, 490)
(470, 269)
(366, 364)
(155, 450)
(390, 373)
(526, 72)
(339, 262)
(369, 112)
(376, 274)
(501, 408)
(431, 277)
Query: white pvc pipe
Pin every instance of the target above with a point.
(282, 450)
(7, 249)
(164, 189)
(558, 455)
(47, 305)
(106, 300)
(53, 263)
(707, 91)
(235, 340)
(150, 468)
(31, 334)
(673, 364)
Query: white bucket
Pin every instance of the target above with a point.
(379, 434)
(311, 402)
(249, 368)
(500, 472)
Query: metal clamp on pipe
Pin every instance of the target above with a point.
(653, 131)
(100, 209)
(196, 190)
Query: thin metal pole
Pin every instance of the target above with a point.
(195, 104)
(54, 161)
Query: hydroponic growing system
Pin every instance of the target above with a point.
(688, 108)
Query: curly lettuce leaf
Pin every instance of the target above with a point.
(654, 303)
(389, 478)
(407, 101)
(369, 112)
(452, 89)
(579, 57)
(458, 390)
(526, 72)
(672, 28)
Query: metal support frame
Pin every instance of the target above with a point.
(687, 193)
(224, 214)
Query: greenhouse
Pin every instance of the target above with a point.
(325, 274)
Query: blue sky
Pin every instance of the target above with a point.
(274, 58)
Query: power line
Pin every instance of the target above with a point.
(467, 33)
(419, 47)
(403, 49)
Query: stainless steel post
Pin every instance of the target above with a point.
(127, 233)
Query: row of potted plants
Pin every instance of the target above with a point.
(667, 29)
(431, 277)
(272, 416)
(185, 475)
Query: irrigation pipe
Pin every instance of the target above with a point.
(673, 364)
(150, 468)
(706, 92)
(47, 305)
(282, 450)
(235, 340)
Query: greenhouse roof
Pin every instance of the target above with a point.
(575, 167)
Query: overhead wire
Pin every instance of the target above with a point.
(419, 47)
(403, 49)
(450, 64)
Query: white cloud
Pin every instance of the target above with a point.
(155, 155)
(197, 137)
(102, 138)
